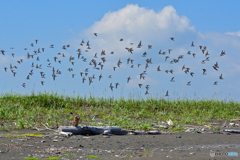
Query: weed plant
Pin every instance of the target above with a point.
(27, 111)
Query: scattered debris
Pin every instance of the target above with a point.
(170, 123)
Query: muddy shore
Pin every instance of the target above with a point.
(22, 144)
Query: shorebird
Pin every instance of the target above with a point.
(144, 54)
(76, 121)
(139, 44)
(88, 44)
(146, 92)
(215, 83)
(95, 34)
(129, 49)
(128, 79)
(54, 76)
(222, 53)
(158, 68)
(83, 79)
(147, 87)
(169, 50)
(111, 86)
(191, 73)
(3, 52)
(166, 57)
(166, 94)
(189, 83)
(172, 79)
(220, 77)
(172, 38)
(42, 82)
(140, 85)
(204, 71)
(192, 45)
(183, 67)
(117, 84)
(206, 54)
(24, 85)
(90, 80)
(100, 77)
(214, 67)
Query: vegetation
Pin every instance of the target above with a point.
(92, 156)
(28, 111)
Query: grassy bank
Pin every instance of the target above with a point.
(29, 111)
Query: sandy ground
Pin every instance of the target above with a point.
(163, 146)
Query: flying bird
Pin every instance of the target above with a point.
(128, 79)
(117, 84)
(166, 94)
(220, 77)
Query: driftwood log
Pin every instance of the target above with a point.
(93, 130)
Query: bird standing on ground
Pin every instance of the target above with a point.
(76, 121)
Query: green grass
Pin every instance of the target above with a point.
(54, 158)
(92, 156)
(54, 110)
(31, 158)
(69, 154)
(147, 151)
(129, 156)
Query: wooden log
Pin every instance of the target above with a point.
(93, 130)
(231, 130)
(232, 120)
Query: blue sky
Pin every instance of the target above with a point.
(213, 24)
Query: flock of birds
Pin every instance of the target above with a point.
(99, 65)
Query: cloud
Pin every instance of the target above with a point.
(134, 23)
(133, 19)
(234, 33)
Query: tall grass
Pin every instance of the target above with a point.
(54, 110)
